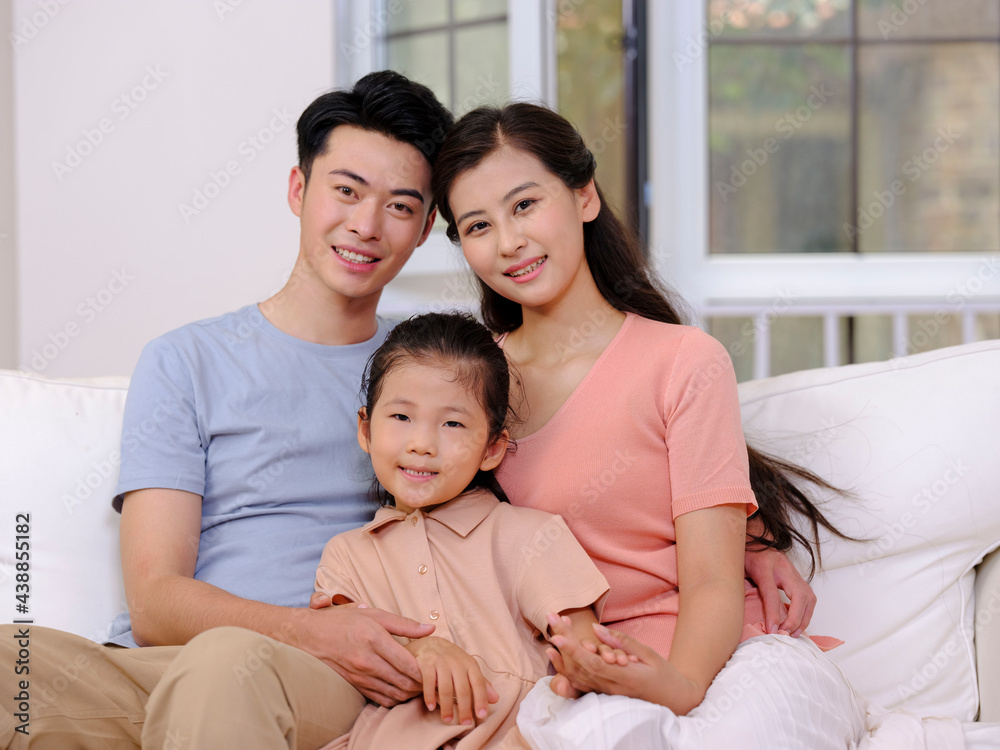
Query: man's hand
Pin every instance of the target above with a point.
(452, 679)
(356, 641)
(772, 571)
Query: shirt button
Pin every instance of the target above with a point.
(434, 614)
(413, 520)
(422, 569)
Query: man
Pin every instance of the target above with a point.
(252, 466)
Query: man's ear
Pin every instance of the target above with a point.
(427, 227)
(590, 201)
(364, 430)
(495, 452)
(296, 190)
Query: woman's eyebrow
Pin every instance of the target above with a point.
(510, 194)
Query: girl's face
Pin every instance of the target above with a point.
(521, 228)
(427, 436)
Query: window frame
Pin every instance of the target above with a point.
(679, 164)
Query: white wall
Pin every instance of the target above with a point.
(106, 260)
(8, 255)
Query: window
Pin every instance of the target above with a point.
(840, 160)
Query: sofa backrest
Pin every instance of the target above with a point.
(915, 441)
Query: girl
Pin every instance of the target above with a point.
(444, 549)
(632, 432)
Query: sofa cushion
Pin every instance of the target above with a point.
(915, 441)
(59, 443)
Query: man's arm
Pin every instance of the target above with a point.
(160, 530)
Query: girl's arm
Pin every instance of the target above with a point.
(452, 680)
(710, 546)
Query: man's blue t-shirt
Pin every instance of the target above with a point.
(263, 426)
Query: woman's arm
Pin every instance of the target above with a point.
(710, 546)
(710, 551)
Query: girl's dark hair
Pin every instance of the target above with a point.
(464, 345)
(622, 273)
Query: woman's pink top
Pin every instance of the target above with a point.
(653, 431)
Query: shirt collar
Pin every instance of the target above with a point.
(461, 515)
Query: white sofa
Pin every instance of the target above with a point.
(915, 440)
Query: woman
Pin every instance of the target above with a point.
(632, 433)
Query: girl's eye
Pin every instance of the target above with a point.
(400, 417)
(521, 205)
(453, 423)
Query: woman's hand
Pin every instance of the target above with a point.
(452, 679)
(645, 675)
(772, 571)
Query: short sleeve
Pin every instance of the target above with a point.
(162, 445)
(335, 574)
(557, 574)
(704, 433)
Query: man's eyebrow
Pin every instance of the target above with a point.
(364, 183)
(510, 194)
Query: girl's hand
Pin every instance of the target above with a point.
(646, 675)
(452, 679)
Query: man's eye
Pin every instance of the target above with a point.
(402, 207)
(344, 190)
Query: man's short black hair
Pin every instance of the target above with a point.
(383, 102)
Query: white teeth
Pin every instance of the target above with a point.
(528, 269)
(419, 473)
(354, 257)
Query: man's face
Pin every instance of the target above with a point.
(362, 214)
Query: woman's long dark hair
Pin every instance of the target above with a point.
(623, 276)
(461, 343)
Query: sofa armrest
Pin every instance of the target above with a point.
(988, 636)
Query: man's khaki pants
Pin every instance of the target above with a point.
(228, 687)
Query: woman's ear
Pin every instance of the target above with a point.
(590, 201)
(364, 430)
(495, 452)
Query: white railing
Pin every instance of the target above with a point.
(903, 343)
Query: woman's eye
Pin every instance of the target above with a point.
(521, 205)
(475, 227)
(344, 190)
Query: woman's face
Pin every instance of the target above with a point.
(521, 228)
